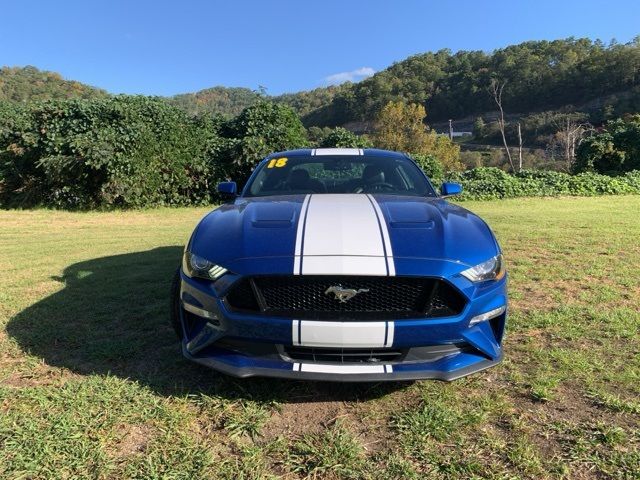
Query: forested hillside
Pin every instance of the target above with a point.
(225, 101)
(603, 79)
(568, 106)
(538, 75)
(29, 83)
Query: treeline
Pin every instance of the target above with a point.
(539, 75)
(225, 101)
(68, 145)
(135, 151)
(30, 84)
(603, 80)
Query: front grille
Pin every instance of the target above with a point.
(379, 298)
(343, 355)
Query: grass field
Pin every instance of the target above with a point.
(92, 383)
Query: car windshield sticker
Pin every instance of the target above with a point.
(277, 162)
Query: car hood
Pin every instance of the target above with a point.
(348, 233)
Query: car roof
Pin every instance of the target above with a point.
(367, 152)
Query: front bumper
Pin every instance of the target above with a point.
(245, 345)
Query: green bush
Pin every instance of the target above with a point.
(133, 151)
(633, 179)
(128, 151)
(614, 150)
(260, 129)
(431, 166)
(487, 183)
(343, 138)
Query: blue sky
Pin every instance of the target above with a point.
(163, 48)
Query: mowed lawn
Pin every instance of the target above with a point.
(92, 383)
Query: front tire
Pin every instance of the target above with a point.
(174, 305)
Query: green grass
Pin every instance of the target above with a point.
(92, 383)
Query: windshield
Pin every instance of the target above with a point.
(339, 174)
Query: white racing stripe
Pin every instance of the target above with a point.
(312, 333)
(344, 265)
(341, 369)
(299, 232)
(385, 236)
(337, 151)
(341, 234)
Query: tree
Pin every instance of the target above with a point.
(259, 130)
(128, 151)
(614, 150)
(401, 127)
(479, 127)
(571, 128)
(341, 137)
(519, 148)
(430, 165)
(30, 84)
(496, 88)
(317, 134)
(217, 100)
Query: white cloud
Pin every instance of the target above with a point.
(352, 76)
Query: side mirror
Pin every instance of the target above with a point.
(228, 189)
(448, 189)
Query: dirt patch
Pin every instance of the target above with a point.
(320, 404)
(295, 419)
(40, 376)
(131, 439)
(557, 427)
(575, 406)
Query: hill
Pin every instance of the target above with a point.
(560, 75)
(28, 83)
(538, 76)
(230, 101)
(226, 101)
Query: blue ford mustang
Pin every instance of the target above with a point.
(341, 264)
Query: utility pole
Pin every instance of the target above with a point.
(450, 129)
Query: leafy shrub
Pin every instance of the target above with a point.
(131, 152)
(633, 179)
(343, 138)
(128, 151)
(431, 166)
(486, 183)
(614, 150)
(259, 130)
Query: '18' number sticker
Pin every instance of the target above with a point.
(277, 162)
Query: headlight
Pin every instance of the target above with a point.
(195, 266)
(492, 269)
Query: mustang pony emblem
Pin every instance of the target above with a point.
(343, 295)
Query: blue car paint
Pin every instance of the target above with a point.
(228, 188)
(256, 236)
(261, 228)
(449, 188)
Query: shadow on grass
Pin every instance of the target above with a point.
(112, 317)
